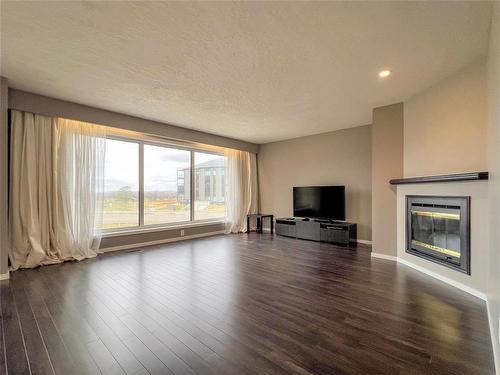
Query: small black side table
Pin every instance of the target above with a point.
(259, 218)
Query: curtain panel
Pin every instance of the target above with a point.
(56, 189)
(242, 194)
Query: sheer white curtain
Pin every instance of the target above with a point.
(241, 189)
(56, 190)
(80, 189)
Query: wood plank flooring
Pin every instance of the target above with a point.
(239, 304)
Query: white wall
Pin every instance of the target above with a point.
(494, 182)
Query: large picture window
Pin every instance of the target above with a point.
(148, 184)
(209, 200)
(166, 197)
(121, 185)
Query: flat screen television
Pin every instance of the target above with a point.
(321, 202)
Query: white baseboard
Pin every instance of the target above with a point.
(445, 279)
(494, 344)
(159, 242)
(4, 276)
(366, 242)
(384, 256)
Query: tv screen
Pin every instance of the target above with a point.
(327, 202)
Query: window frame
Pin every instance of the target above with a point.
(152, 141)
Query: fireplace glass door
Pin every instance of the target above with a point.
(438, 229)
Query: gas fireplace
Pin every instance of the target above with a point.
(438, 229)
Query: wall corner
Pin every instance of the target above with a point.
(387, 163)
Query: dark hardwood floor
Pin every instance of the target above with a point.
(241, 304)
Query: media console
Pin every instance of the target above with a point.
(339, 232)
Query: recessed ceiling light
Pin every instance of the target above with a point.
(384, 73)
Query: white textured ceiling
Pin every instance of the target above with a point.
(259, 72)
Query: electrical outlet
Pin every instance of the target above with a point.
(182, 232)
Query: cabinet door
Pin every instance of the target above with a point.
(340, 236)
(326, 235)
(285, 230)
(308, 230)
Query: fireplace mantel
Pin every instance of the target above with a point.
(469, 176)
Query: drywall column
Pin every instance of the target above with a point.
(387, 163)
(493, 292)
(4, 181)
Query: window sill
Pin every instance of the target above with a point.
(162, 228)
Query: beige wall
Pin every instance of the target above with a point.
(158, 236)
(493, 291)
(445, 126)
(4, 187)
(341, 157)
(387, 163)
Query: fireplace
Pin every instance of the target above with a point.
(438, 229)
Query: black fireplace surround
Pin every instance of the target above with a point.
(438, 229)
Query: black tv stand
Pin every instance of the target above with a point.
(324, 230)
